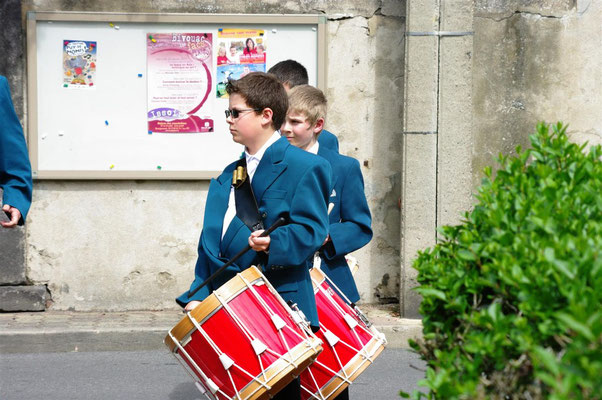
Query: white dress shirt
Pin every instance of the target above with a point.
(252, 163)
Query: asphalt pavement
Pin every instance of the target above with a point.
(156, 374)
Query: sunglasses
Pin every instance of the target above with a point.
(236, 113)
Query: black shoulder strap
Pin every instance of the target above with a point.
(246, 205)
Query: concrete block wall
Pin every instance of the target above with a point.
(422, 114)
(534, 61)
(131, 245)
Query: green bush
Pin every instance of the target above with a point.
(512, 297)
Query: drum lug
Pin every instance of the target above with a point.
(352, 322)
(212, 386)
(201, 387)
(226, 361)
(362, 317)
(258, 346)
(331, 338)
(278, 322)
(298, 315)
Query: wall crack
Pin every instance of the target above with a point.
(521, 13)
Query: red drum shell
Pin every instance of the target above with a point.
(221, 327)
(336, 367)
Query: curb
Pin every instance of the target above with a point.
(62, 331)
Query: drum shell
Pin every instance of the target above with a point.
(215, 316)
(366, 343)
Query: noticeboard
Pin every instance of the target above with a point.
(140, 96)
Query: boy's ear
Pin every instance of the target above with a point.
(266, 116)
(318, 126)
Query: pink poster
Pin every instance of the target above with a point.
(179, 68)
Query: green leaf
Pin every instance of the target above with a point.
(466, 255)
(576, 325)
(427, 292)
(547, 359)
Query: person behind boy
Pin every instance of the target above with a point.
(286, 182)
(291, 74)
(350, 218)
(15, 169)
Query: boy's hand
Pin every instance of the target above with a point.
(259, 243)
(13, 213)
(191, 305)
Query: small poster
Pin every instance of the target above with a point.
(179, 71)
(79, 64)
(239, 52)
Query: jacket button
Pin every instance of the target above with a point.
(264, 215)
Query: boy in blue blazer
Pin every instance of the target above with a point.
(349, 219)
(291, 73)
(286, 181)
(15, 169)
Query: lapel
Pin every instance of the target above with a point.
(235, 226)
(270, 167)
(215, 209)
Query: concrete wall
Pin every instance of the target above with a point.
(126, 245)
(533, 61)
(423, 115)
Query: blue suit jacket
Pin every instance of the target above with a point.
(15, 170)
(328, 140)
(350, 220)
(289, 183)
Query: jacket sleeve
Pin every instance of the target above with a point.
(201, 272)
(353, 231)
(15, 169)
(307, 227)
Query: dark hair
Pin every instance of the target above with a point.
(260, 91)
(290, 72)
(247, 43)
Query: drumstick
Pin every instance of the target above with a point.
(279, 222)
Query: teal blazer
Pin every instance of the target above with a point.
(349, 221)
(15, 169)
(289, 183)
(328, 140)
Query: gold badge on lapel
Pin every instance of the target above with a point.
(238, 176)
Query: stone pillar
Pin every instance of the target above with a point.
(419, 171)
(437, 171)
(14, 295)
(455, 138)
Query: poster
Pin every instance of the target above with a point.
(179, 71)
(239, 52)
(79, 64)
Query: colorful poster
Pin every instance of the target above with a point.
(79, 63)
(239, 52)
(179, 71)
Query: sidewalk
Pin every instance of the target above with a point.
(65, 331)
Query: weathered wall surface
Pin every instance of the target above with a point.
(535, 61)
(126, 245)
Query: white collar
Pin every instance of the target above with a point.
(314, 149)
(259, 155)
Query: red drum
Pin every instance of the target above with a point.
(350, 345)
(243, 341)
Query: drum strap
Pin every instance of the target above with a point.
(246, 205)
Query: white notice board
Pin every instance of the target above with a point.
(101, 132)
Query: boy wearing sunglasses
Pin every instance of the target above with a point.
(286, 182)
